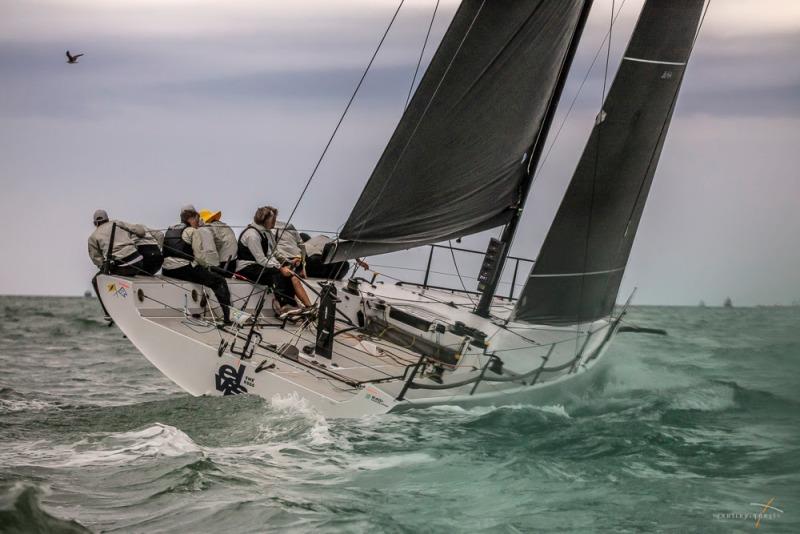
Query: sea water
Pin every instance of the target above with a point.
(696, 431)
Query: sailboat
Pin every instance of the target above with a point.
(461, 160)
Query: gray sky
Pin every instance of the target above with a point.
(227, 105)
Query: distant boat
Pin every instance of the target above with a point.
(702, 304)
(728, 303)
(87, 294)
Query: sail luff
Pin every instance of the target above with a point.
(579, 269)
(456, 160)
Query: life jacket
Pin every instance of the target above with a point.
(244, 252)
(175, 246)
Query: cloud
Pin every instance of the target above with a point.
(229, 106)
(259, 51)
(726, 76)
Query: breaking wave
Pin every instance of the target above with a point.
(123, 448)
(21, 513)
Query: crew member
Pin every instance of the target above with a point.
(148, 243)
(207, 256)
(124, 258)
(186, 258)
(316, 249)
(258, 264)
(224, 241)
(289, 249)
(120, 258)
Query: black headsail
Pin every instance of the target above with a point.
(455, 164)
(579, 269)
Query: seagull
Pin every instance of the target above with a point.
(71, 58)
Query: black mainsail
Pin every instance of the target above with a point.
(457, 160)
(577, 275)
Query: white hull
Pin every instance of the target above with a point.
(367, 374)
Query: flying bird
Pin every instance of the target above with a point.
(71, 58)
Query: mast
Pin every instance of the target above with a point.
(510, 229)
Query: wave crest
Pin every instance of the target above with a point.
(158, 440)
(21, 511)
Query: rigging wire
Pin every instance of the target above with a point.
(599, 122)
(322, 155)
(344, 113)
(374, 202)
(577, 94)
(442, 273)
(672, 105)
(421, 53)
(662, 133)
(458, 272)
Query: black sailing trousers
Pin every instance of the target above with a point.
(272, 277)
(201, 275)
(317, 268)
(152, 257)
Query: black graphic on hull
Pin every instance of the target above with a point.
(229, 380)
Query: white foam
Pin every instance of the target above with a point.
(20, 405)
(555, 409)
(154, 441)
(644, 471)
(292, 403)
(319, 432)
(712, 398)
(397, 460)
(635, 374)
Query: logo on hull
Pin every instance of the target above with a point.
(229, 380)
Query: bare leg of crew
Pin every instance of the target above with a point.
(300, 291)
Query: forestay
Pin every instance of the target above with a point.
(455, 163)
(580, 266)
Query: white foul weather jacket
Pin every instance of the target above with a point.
(124, 250)
(224, 240)
(290, 245)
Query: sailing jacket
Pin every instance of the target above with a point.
(207, 255)
(140, 234)
(255, 245)
(183, 246)
(124, 251)
(316, 245)
(224, 239)
(290, 244)
(148, 237)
